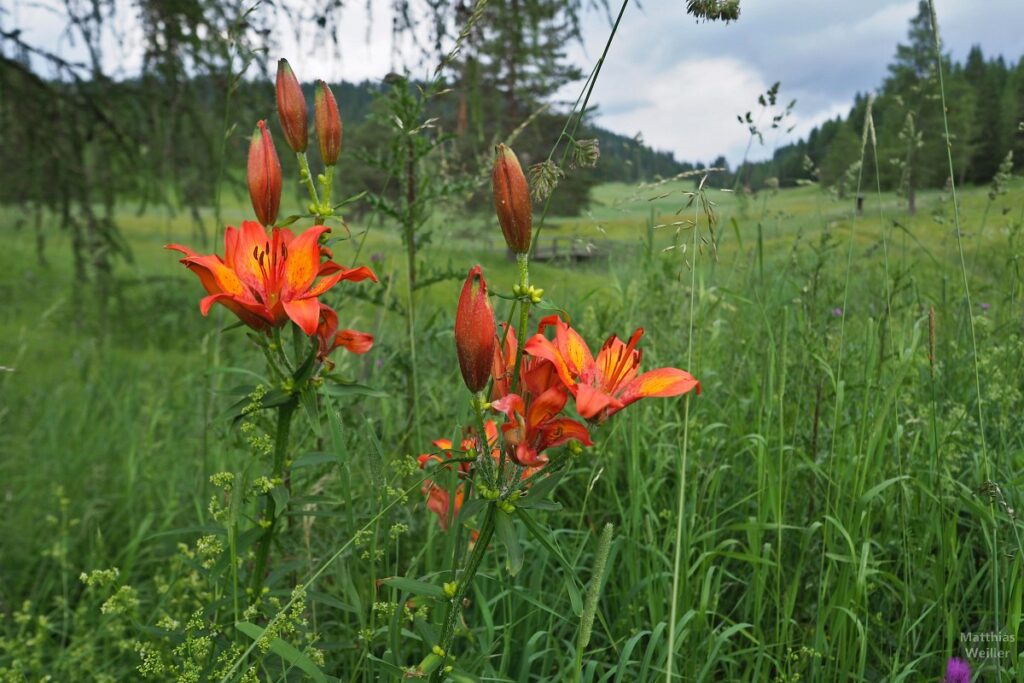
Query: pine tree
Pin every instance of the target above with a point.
(987, 146)
(913, 87)
(1011, 134)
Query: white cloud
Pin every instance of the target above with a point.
(682, 83)
(690, 108)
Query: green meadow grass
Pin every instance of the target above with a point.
(836, 526)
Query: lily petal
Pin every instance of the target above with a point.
(662, 382)
(572, 347)
(546, 406)
(305, 313)
(591, 402)
(250, 241)
(303, 263)
(215, 275)
(355, 342)
(563, 430)
(510, 405)
(252, 315)
(230, 242)
(354, 274)
(540, 346)
(526, 456)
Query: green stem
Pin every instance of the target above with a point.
(451, 615)
(327, 186)
(677, 556)
(307, 178)
(409, 220)
(479, 401)
(284, 422)
(524, 312)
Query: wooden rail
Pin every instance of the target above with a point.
(570, 249)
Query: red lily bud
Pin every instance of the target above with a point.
(291, 107)
(264, 175)
(512, 200)
(474, 331)
(328, 124)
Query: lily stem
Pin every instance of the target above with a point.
(307, 178)
(327, 186)
(524, 311)
(484, 455)
(451, 615)
(284, 422)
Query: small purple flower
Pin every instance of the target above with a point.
(837, 312)
(958, 671)
(985, 307)
(376, 257)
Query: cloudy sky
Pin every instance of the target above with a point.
(679, 83)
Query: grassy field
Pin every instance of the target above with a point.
(849, 504)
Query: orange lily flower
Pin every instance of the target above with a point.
(468, 443)
(267, 280)
(607, 384)
(504, 363)
(532, 426)
(438, 499)
(440, 503)
(329, 337)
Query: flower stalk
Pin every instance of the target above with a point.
(284, 422)
(523, 260)
(464, 583)
(315, 207)
(480, 406)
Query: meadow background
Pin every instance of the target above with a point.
(849, 480)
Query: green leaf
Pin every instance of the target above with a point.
(546, 305)
(305, 371)
(288, 221)
(542, 536)
(312, 459)
(471, 509)
(272, 399)
(736, 229)
(506, 533)
(240, 371)
(415, 587)
(281, 498)
(349, 200)
(285, 651)
(538, 504)
(308, 400)
(330, 601)
(540, 489)
(345, 389)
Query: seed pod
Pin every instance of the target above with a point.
(475, 332)
(512, 200)
(328, 124)
(291, 108)
(264, 175)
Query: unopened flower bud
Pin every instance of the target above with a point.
(264, 175)
(291, 107)
(328, 124)
(512, 200)
(475, 331)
